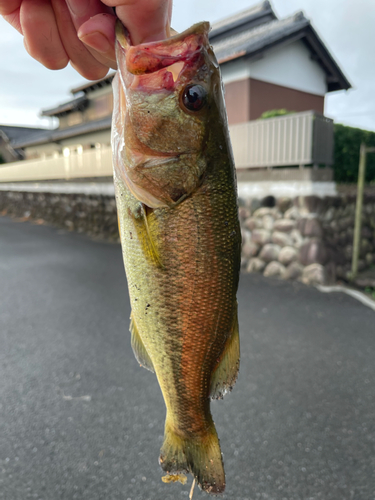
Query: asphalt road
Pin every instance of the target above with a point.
(79, 419)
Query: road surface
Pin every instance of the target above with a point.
(79, 419)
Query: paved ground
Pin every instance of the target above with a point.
(80, 420)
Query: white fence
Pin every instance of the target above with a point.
(297, 139)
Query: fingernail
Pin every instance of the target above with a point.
(78, 7)
(96, 41)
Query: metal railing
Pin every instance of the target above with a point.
(296, 139)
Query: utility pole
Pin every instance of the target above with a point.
(359, 205)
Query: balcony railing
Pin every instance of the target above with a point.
(297, 139)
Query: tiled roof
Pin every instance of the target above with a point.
(14, 133)
(252, 40)
(255, 15)
(87, 87)
(56, 135)
(78, 103)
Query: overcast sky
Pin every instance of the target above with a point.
(346, 26)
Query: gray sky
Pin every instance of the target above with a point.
(346, 26)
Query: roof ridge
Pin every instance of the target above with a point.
(257, 11)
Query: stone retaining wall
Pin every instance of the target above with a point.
(95, 215)
(306, 238)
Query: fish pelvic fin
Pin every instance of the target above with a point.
(225, 373)
(200, 455)
(140, 352)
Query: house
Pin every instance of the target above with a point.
(266, 63)
(9, 135)
(269, 63)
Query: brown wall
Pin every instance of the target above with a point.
(266, 96)
(248, 99)
(237, 100)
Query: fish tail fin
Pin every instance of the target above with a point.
(200, 456)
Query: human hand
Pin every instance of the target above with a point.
(82, 32)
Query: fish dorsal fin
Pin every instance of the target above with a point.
(226, 370)
(138, 347)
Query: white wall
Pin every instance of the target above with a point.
(289, 66)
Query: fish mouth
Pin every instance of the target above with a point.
(159, 64)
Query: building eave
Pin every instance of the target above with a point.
(90, 86)
(67, 107)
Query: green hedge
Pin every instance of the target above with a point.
(347, 144)
(275, 112)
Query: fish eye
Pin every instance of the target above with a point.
(194, 97)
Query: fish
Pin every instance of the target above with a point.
(176, 198)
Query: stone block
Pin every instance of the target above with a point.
(261, 212)
(313, 251)
(282, 239)
(297, 238)
(314, 204)
(261, 236)
(243, 213)
(293, 213)
(284, 225)
(253, 223)
(293, 271)
(255, 265)
(250, 249)
(270, 252)
(275, 270)
(311, 228)
(268, 222)
(314, 274)
(284, 204)
(287, 255)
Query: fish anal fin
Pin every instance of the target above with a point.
(140, 352)
(140, 218)
(225, 373)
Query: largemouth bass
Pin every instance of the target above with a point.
(177, 206)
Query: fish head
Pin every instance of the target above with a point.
(167, 95)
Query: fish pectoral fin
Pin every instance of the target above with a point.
(144, 235)
(140, 352)
(225, 373)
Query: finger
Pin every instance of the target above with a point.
(14, 20)
(146, 20)
(99, 34)
(82, 11)
(42, 39)
(80, 57)
(9, 6)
